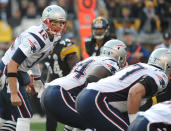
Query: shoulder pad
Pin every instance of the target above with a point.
(66, 42)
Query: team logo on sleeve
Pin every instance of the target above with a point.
(33, 47)
(112, 69)
(162, 82)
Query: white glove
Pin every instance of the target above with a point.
(132, 117)
(38, 86)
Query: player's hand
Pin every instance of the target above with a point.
(15, 100)
(38, 84)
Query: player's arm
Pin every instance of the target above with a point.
(107, 68)
(97, 73)
(134, 97)
(146, 86)
(12, 68)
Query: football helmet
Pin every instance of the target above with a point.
(100, 23)
(57, 14)
(116, 49)
(161, 58)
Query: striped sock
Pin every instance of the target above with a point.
(8, 126)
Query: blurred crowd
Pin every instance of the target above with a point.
(146, 20)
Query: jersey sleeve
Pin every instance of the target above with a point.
(70, 49)
(149, 84)
(28, 45)
(154, 84)
(161, 80)
(111, 65)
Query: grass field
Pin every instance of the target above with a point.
(41, 127)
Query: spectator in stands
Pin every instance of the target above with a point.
(31, 18)
(15, 20)
(150, 22)
(100, 34)
(126, 22)
(166, 41)
(5, 10)
(162, 10)
(136, 52)
(23, 4)
(31, 11)
(41, 4)
(113, 8)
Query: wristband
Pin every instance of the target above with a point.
(37, 78)
(132, 117)
(11, 74)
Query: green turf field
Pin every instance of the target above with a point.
(41, 127)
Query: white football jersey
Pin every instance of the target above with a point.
(34, 43)
(117, 86)
(78, 75)
(160, 112)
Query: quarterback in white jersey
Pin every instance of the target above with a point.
(109, 98)
(29, 48)
(158, 117)
(58, 99)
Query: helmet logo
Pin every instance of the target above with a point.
(33, 47)
(99, 20)
(49, 9)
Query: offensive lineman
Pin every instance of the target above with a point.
(30, 48)
(111, 97)
(58, 99)
(157, 118)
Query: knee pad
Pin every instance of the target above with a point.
(23, 124)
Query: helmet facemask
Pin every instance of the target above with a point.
(55, 27)
(99, 36)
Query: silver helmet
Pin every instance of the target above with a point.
(116, 49)
(55, 13)
(161, 58)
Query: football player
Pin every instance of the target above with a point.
(100, 35)
(58, 99)
(59, 63)
(29, 48)
(111, 98)
(157, 118)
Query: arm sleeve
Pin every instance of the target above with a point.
(19, 56)
(149, 84)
